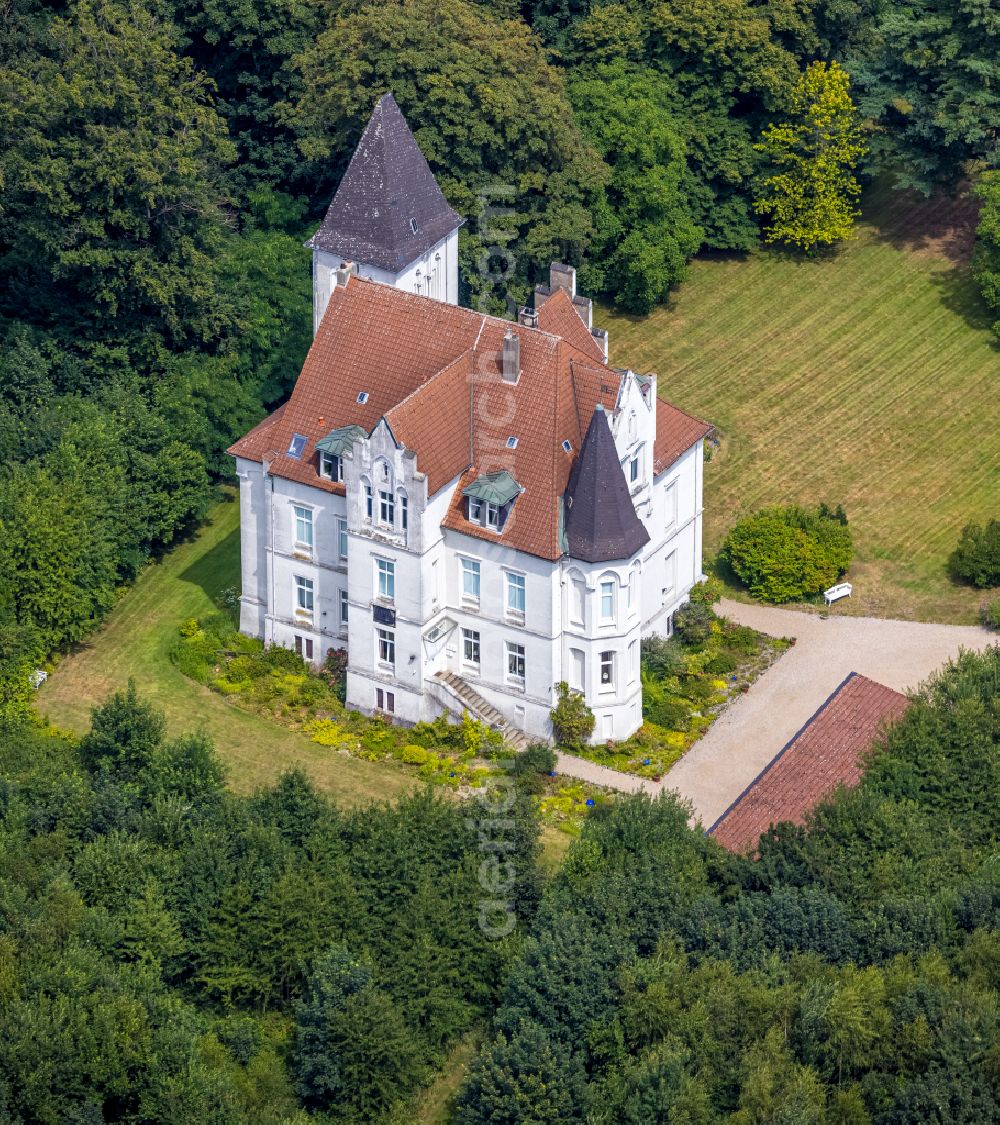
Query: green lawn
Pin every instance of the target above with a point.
(136, 641)
(868, 379)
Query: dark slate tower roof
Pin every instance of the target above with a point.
(601, 524)
(388, 209)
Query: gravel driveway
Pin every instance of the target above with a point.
(754, 728)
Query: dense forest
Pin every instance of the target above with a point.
(170, 951)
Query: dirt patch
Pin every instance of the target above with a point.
(940, 227)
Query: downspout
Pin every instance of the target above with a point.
(269, 491)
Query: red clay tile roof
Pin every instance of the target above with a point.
(434, 371)
(559, 316)
(676, 432)
(827, 752)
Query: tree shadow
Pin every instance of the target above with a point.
(961, 295)
(216, 570)
(940, 226)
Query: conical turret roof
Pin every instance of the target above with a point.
(600, 522)
(388, 209)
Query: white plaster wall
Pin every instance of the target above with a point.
(434, 274)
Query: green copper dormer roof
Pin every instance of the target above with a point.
(496, 488)
(340, 441)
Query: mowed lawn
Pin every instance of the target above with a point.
(136, 641)
(869, 379)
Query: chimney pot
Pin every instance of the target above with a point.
(528, 317)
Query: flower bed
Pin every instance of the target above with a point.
(278, 683)
(687, 681)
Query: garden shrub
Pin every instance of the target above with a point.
(741, 639)
(990, 614)
(785, 554)
(708, 592)
(661, 656)
(572, 720)
(414, 755)
(693, 623)
(667, 713)
(976, 559)
(721, 665)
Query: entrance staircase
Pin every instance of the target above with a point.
(457, 695)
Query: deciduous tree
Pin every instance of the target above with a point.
(810, 191)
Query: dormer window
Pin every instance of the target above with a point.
(489, 499)
(484, 513)
(331, 466)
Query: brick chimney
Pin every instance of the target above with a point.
(511, 356)
(562, 277)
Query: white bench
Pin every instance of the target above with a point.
(835, 593)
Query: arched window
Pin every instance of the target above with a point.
(632, 592)
(577, 599)
(369, 494)
(607, 592)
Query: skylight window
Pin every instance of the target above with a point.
(567, 447)
(512, 443)
(413, 225)
(363, 397)
(296, 445)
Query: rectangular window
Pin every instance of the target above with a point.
(670, 494)
(385, 573)
(303, 526)
(303, 594)
(633, 469)
(343, 607)
(387, 508)
(404, 513)
(578, 602)
(386, 640)
(330, 466)
(369, 502)
(470, 579)
(630, 593)
(515, 662)
(608, 599)
(385, 700)
(470, 646)
(515, 593)
(607, 669)
(304, 647)
(577, 666)
(484, 513)
(669, 574)
(342, 538)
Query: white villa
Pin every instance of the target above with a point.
(475, 509)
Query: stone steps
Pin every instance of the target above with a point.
(480, 709)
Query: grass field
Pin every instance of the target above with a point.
(136, 641)
(868, 379)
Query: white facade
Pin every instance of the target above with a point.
(323, 570)
(433, 274)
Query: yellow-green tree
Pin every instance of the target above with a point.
(810, 191)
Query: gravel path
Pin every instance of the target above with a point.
(754, 728)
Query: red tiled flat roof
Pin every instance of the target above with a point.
(828, 751)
